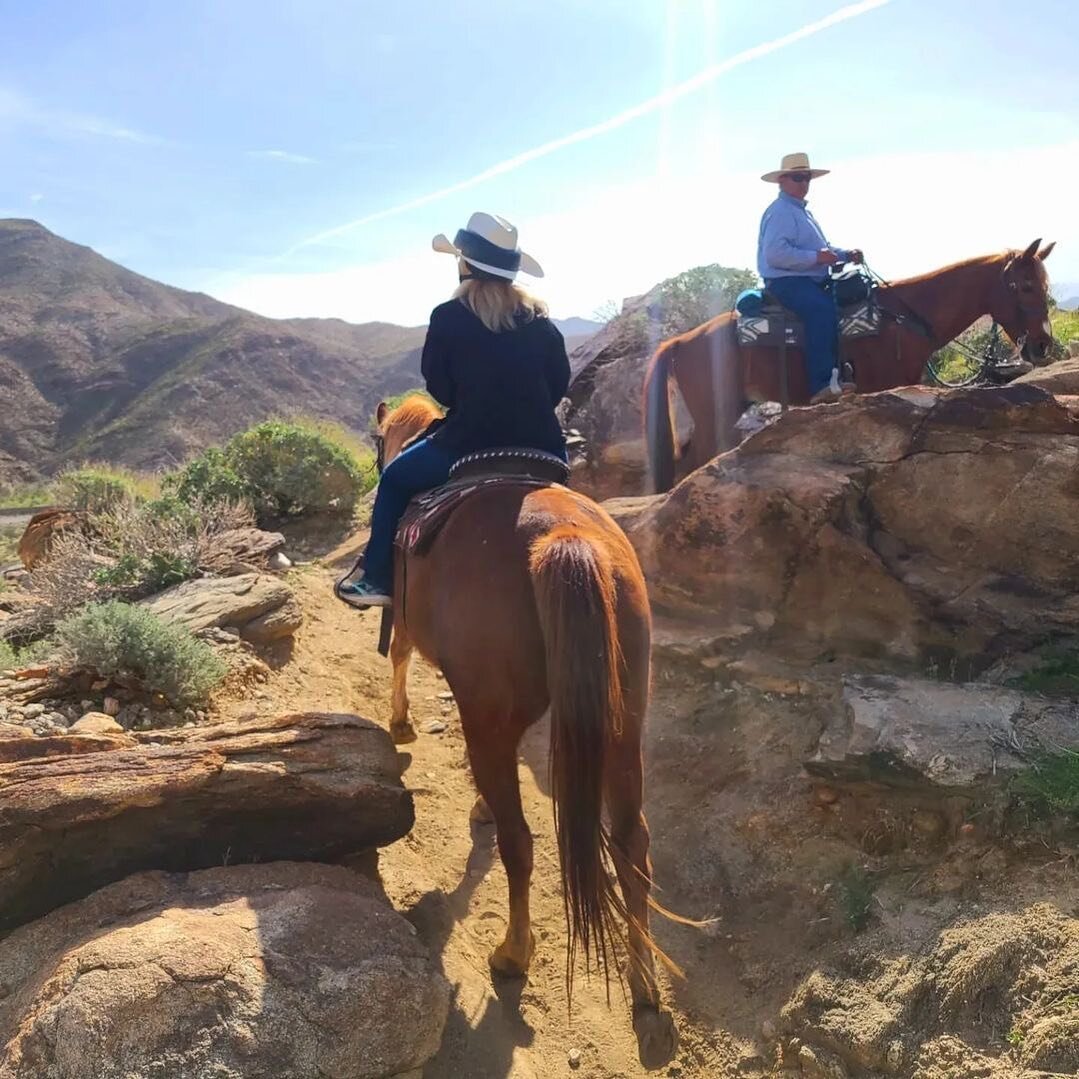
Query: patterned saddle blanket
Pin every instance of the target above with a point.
(428, 513)
(775, 325)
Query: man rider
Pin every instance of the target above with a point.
(793, 258)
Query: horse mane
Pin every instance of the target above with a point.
(415, 410)
(978, 262)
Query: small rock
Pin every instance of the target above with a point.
(279, 562)
(97, 723)
(768, 1031)
(86, 706)
(111, 706)
(445, 695)
(32, 711)
(574, 1058)
(58, 719)
(826, 795)
(435, 726)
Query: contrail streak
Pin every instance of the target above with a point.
(667, 97)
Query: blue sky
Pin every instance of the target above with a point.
(226, 146)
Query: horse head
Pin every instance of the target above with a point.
(1021, 302)
(397, 427)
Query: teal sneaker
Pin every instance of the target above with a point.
(362, 593)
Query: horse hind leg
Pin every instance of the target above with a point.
(401, 729)
(494, 767)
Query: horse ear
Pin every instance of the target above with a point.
(1044, 253)
(1031, 251)
(380, 412)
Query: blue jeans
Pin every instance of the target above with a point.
(421, 467)
(816, 308)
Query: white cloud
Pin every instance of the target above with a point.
(37, 196)
(909, 212)
(17, 109)
(282, 155)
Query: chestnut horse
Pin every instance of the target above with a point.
(532, 597)
(718, 378)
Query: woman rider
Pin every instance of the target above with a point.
(495, 362)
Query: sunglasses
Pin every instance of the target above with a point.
(799, 177)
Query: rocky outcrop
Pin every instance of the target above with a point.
(1060, 378)
(82, 810)
(951, 738)
(249, 548)
(910, 524)
(261, 607)
(244, 972)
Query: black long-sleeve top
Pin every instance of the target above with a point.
(499, 389)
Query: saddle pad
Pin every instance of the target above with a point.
(766, 330)
(427, 513)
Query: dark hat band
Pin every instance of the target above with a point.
(476, 249)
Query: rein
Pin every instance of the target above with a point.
(925, 328)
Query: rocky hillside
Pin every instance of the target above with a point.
(99, 362)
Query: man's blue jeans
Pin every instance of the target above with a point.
(815, 307)
(421, 467)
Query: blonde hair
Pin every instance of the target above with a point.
(499, 304)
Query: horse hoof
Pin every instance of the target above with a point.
(657, 1036)
(481, 812)
(508, 962)
(402, 734)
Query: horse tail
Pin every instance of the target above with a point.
(658, 421)
(574, 585)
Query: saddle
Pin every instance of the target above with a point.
(763, 322)
(428, 513)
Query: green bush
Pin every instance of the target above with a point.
(1050, 785)
(117, 639)
(27, 494)
(283, 468)
(8, 659)
(98, 489)
(681, 303)
(209, 478)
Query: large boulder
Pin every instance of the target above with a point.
(82, 810)
(261, 607)
(224, 552)
(914, 523)
(970, 738)
(1060, 378)
(245, 972)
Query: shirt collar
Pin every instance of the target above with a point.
(792, 198)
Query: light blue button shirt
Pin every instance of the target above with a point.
(790, 239)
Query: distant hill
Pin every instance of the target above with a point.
(100, 362)
(1067, 294)
(97, 362)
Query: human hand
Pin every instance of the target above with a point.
(826, 257)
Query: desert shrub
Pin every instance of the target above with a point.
(284, 468)
(1051, 784)
(131, 551)
(123, 641)
(26, 494)
(679, 304)
(99, 488)
(8, 657)
(291, 470)
(208, 478)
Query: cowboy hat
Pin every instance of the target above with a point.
(489, 243)
(793, 163)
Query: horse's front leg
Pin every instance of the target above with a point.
(401, 729)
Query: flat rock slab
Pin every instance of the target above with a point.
(261, 607)
(311, 786)
(950, 737)
(244, 972)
